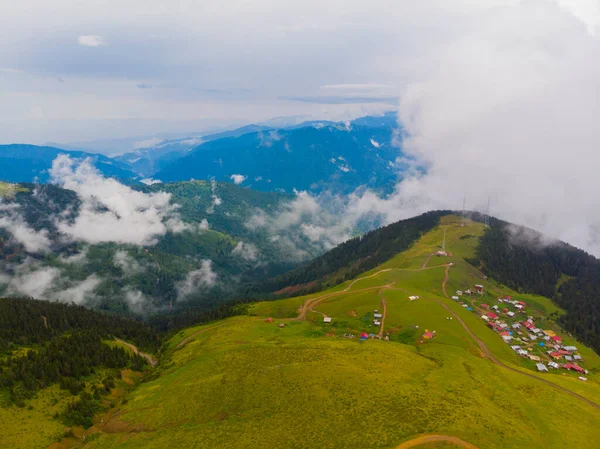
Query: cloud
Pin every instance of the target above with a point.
(144, 86)
(111, 211)
(197, 281)
(146, 143)
(150, 181)
(342, 99)
(49, 283)
(267, 139)
(511, 105)
(375, 143)
(238, 179)
(203, 225)
(11, 220)
(246, 251)
(91, 40)
(128, 264)
(358, 86)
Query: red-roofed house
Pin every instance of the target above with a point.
(574, 367)
(556, 338)
(428, 335)
(505, 334)
(563, 352)
(555, 355)
(492, 315)
(522, 303)
(528, 325)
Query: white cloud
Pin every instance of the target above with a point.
(246, 251)
(197, 281)
(375, 143)
(238, 179)
(267, 139)
(203, 225)
(11, 220)
(150, 181)
(91, 40)
(111, 211)
(146, 143)
(80, 292)
(128, 264)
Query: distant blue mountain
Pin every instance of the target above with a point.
(27, 163)
(147, 161)
(313, 156)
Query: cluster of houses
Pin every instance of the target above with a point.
(377, 318)
(522, 334)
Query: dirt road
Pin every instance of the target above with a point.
(151, 359)
(313, 302)
(187, 339)
(424, 439)
(384, 304)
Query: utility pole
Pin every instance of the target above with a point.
(463, 213)
(487, 215)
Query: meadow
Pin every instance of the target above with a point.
(246, 382)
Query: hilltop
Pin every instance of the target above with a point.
(324, 370)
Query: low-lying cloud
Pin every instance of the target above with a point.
(197, 281)
(111, 211)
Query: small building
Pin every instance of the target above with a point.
(428, 335)
(576, 357)
(327, 319)
(505, 310)
(269, 320)
(555, 355)
(541, 367)
(412, 298)
(519, 306)
(568, 358)
(485, 306)
(522, 352)
(550, 333)
(574, 367)
(571, 348)
(535, 358)
(510, 314)
(536, 331)
(459, 292)
(553, 365)
(377, 323)
(377, 315)
(496, 308)
(492, 315)
(582, 378)
(556, 338)
(479, 288)
(485, 317)
(281, 325)
(505, 334)
(515, 347)
(516, 326)
(455, 298)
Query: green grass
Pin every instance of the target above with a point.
(7, 189)
(251, 384)
(244, 382)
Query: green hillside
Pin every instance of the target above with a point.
(282, 377)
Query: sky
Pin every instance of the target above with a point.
(498, 99)
(74, 70)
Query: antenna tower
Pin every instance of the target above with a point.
(444, 242)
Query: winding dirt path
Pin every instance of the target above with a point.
(384, 304)
(151, 359)
(313, 302)
(187, 339)
(426, 261)
(424, 439)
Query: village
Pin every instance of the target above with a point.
(509, 319)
